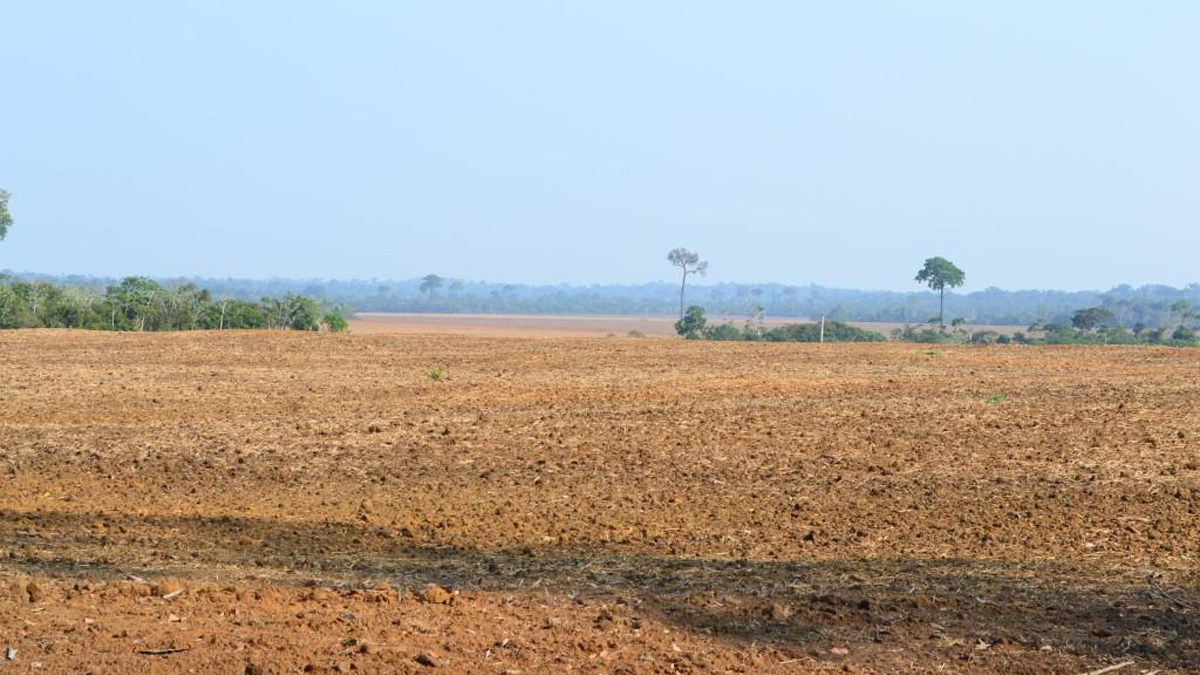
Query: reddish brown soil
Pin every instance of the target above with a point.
(594, 505)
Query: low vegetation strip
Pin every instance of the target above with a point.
(142, 304)
(694, 326)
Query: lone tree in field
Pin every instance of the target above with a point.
(937, 274)
(430, 285)
(690, 263)
(5, 217)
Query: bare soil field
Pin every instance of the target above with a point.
(301, 503)
(533, 325)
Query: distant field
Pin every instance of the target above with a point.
(278, 502)
(532, 325)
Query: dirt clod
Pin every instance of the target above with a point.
(436, 595)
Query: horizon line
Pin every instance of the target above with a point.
(692, 284)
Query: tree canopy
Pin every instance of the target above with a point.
(939, 274)
(431, 284)
(1091, 318)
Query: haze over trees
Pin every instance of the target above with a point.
(1149, 306)
(431, 284)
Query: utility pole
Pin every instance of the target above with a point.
(822, 329)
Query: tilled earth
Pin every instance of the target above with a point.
(284, 503)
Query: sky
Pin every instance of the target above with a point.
(1036, 144)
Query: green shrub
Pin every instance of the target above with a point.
(691, 326)
(835, 331)
(725, 332)
(335, 323)
(985, 337)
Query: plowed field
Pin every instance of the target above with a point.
(282, 503)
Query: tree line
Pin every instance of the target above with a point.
(1148, 305)
(1147, 314)
(142, 304)
(1090, 325)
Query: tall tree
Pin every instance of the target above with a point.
(938, 273)
(430, 285)
(6, 220)
(690, 263)
(1091, 318)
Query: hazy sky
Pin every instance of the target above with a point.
(1037, 144)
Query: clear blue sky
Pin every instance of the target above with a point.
(1037, 144)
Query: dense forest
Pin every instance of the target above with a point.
(1147, 305)
(141, 304)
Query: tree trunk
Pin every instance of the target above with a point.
(942, 308)
(682, 286)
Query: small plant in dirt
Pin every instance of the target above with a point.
(996, 399)
(438, 374)
(635, 334)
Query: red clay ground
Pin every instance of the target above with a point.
(279, 503)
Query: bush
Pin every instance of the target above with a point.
(1184, 334)
(985, 337)
(835, 331)
(926, 336)
(691, 326)
(335, 323)
(725, 332)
